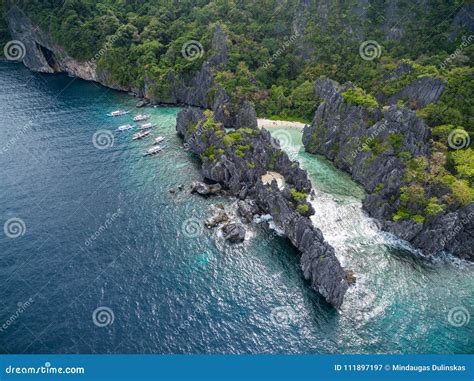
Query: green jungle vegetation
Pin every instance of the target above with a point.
(275, 68)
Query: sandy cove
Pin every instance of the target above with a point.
(268, 123)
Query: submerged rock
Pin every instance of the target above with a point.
(234, 232)
(350, 276)
(217, 219)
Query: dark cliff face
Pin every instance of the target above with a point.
(43, 55)
(240, 166)
(196, 91)
(360, 141)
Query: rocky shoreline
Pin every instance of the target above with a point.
(238, 166)
(238, 160)
(375, 146)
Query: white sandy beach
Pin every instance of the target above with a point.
(268, 123)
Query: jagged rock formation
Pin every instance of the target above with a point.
(43, 55)
(463, 20)
(239, 167)
(360, 142)
(420, 93)
(194, 92)
(234, 232)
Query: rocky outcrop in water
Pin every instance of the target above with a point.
(234, 232)
(205, 189)
(238, 160)
(373, 147)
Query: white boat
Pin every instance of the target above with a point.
(118, 113)
(147, 126)
(125, 127)
(159, 139)
(154, 150)
(141, 117)
(141, 135)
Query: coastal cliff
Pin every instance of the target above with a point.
(41, 53)
(391, 152)
(44, 55)
(380, 147)
(238, 160)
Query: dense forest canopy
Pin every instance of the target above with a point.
(276, 75)
(278, 48)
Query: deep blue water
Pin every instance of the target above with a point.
(167, 289)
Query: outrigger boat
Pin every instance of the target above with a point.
(154, 150)
(141, 117)
(141, 135)
(118, 113)
(159, 139)
(146, 126)
(125, 127)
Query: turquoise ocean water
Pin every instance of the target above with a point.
(109, 261)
